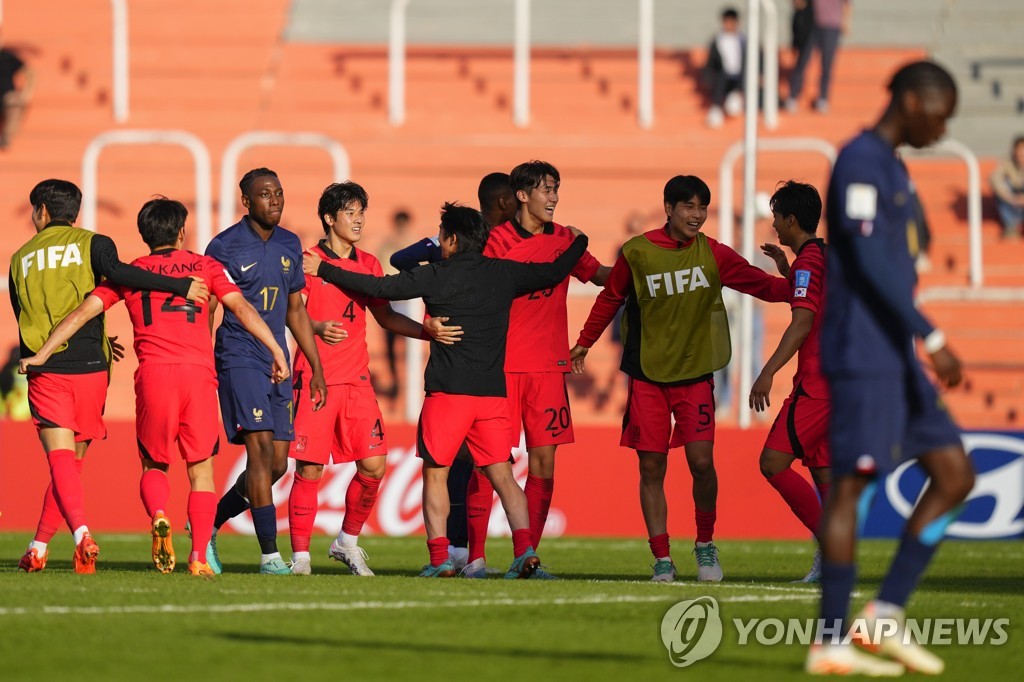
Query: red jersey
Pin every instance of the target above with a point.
(807, 282)
(347, 362)
(538, 324)
(170, 330)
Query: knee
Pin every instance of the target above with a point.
(653, 470)
(373, 470)
(277, 471)
(701, 465)
(770, 465)
(310, 472)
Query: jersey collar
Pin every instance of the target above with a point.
(549, 228)
(331, 254)
(163, 251)
(58, 223)
(669, 237)
(817, 240)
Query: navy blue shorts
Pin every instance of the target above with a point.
(877, 423)
(250, 401)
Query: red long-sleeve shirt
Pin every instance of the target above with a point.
(733, 270)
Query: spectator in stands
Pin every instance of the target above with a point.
(398, 239)
(1008, 186)
(803, 23)
(17, 81)
(831, 20)
(724, 69)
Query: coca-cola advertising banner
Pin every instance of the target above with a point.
(596, 488)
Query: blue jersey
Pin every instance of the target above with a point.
(267, 272)
(870, 320)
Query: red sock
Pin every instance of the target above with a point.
(659, 546)
(438, 548)
(66, 482)
(800, 497)
(520, 541)
(202, 507)
(479, 500)
(359, 500)
(705, 524)
(302, 507)
(823, 491)
(155, 491)
(50, 517)
(538, 502)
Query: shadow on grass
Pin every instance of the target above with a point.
(488, 650)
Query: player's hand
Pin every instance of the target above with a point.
(279, 371)
(311, 263)
(330, 331)
(116, 349)
(440, 332)
(576, 232)
(198, 291)
(947, 367)
(318, 390)
(775, 252)
(578, 356)
(34, 361)
(759, 392)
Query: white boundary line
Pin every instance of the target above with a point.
(596, 600)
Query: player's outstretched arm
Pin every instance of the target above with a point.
(606, 305)
(297, 319)
(106, 262)
(413, 284)
(68, 327)
(578, 357)
(434, 328)
(794, 336)
(254, 324)
(529, 277)
(736, 273)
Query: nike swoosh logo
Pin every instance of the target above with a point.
(246, 267)
(376, 445)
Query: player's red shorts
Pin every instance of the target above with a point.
(801, 429)
(647, 423)
(69, 401)
(447, 420)
(539, 401)
(174, 412)
(348, 428)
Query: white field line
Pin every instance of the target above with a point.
(595, 600)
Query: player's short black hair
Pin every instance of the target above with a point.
(730, 13)
(799, 200)
(686, 187)
(61, 198)
(160, 219)
(337, 196)
(245, 184)
(465, 223)
(921, 75)
(493, 187)
(528, 176)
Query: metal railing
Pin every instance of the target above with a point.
(268, 138)
(178, 138)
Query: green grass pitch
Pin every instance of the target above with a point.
(601, 622)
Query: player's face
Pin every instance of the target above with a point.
(347, 224)
(265, 201)
(782, 227)
(928, 112)
(685, 218)
(541, 200)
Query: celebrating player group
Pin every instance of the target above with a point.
(495, 282)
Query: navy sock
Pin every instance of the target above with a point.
(230, 506)
(264, 520)
(907, 566)
(458, 482)
(837, 582)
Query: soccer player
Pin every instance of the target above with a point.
(537, 357)
(50, 276)
(801, 427)
(263, 259)
(498, 205)
(175, 383)
(676, 335)
(350, 428)
(465, 382)
(884, 410)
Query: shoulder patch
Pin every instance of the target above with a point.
(802, 278)
(861, 201)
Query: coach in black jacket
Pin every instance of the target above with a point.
(465, 382)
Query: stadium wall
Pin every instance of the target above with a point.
(596, 494)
